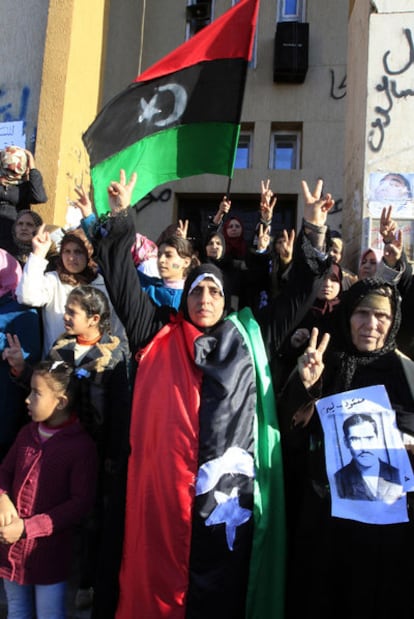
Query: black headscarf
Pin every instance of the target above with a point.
(223, 254)
(352, 358)
(193, 274)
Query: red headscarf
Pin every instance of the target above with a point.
(235, 247)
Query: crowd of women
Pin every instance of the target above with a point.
(162, 398)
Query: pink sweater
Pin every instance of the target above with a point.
(52, 484)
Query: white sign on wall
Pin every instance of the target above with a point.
(11, 133)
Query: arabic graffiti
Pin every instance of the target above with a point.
(337, 207)
(391, 92)
(6, 107)
(163, 196)
(337, 92)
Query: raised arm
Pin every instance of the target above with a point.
(113, 241)
(35, 288)
(37, 193)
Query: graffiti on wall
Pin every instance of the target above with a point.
(150, 198)
(7, 113)
(76, 176)
(337, 207)
(337, 90)
(13, 110)
(388, 85)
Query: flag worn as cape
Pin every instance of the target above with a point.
(265, 594)
(181, 116)
(165, 456)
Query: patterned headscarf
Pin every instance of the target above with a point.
(10, 273)
(87, 276)
(13, 165)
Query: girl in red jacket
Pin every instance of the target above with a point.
(47, 484)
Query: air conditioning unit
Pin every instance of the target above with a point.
(291, 52)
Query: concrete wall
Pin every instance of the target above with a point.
(21, 49)
(355, 143)
(380, 132)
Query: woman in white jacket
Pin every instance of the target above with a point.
(75, 267)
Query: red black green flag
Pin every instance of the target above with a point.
(181, 116)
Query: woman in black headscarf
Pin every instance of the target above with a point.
(348, 569)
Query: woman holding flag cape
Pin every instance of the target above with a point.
(203, 533)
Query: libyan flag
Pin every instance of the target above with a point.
(181, 116)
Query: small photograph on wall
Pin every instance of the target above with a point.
(391, 188)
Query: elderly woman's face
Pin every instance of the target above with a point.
(370, 323)
(25, 228)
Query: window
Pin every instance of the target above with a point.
(244, 150)
(285, 149)
(291, 10)
(199, 15)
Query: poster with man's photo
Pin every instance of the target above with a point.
(391, 189)
(368, 468)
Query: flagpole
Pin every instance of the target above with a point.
(228, 186)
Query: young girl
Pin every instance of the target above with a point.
(103, 397)
(49, 291)
(47, 485)
(175, 259)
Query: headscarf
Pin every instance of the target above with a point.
(89, 273)
(377, 253)
(24, 249)
(13, 165)
(351, 357)
(37, 220)
(10, 273)
(203, 269)
(235, 247)
(325, 306)
(223, 242)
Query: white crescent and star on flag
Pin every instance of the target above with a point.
(153, 108)
(228, 510)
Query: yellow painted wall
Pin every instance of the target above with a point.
(70, 98)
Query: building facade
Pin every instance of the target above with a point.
(329, 95)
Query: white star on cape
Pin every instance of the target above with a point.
(229, 512)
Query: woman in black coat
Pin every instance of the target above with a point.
(343, 567)
(21, 185)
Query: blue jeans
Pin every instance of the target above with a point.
(49, 600)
